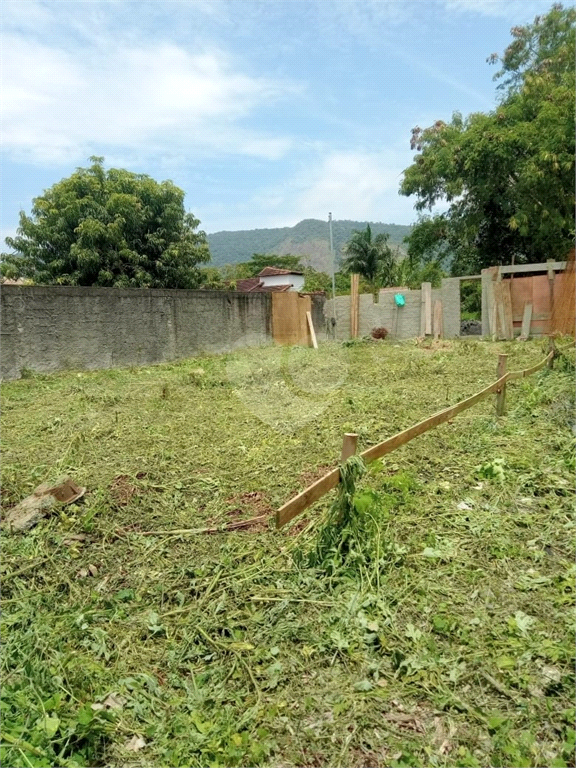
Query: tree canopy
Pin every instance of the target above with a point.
(259, 261)
(370, 257)
(507, 176)
(108, 228)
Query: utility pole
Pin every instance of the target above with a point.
(333, 275)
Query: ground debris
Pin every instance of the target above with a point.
(122, 490)
(39, 504)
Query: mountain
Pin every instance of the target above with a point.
(309, 238)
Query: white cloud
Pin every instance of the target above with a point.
(60, 105)
(360, 185)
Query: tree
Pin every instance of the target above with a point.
(508, 176)
(412, 275)
(322, 281)
(260, 261)
(108, 228)
(370, 257)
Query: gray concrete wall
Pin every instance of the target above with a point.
(50, 328)
(401, 322)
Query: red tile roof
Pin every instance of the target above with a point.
(255, 285)
(270, 288)
(271, 271)
(247, 284)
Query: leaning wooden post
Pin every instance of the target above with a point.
(348, 446)
(501, 393)
(551, 348)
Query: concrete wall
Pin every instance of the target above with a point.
(49, 328)
(401, 322)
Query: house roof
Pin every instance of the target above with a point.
(255, 285)
(270, 288)
(247, 284)
(272, 271)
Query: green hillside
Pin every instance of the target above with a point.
(309, 238)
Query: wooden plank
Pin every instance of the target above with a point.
(354, 283)
(488, 285)
(526, 321)
(311, 329)
(432, 421)
(551, 278)
(557, 266)
(349, 444)
(529, 371)
(501, 393)
(422, 312)
(551, 351)
(427, 295)
(438, 326)
(313, 493)
(301, 502)
(498, 311)
(507, 309)
(304, 305)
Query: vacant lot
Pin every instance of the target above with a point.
(449, 644)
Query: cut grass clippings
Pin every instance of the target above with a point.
(451, 644)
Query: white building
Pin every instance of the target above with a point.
(273, 276)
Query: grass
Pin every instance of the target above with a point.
(448, 641)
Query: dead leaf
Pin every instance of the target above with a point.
(463, 505)
(405, 721)
(135, 744)
(82, 573)
(93, 570)
(114, 701)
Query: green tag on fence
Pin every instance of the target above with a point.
(399, 299)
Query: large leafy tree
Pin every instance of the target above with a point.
(507, 176)
(370, 257)
(109, 228)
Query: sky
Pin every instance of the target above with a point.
(265, 112)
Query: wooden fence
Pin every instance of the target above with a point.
(314, 492)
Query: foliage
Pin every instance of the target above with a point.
(108, 228)
(321, 281)
(212, 279)
(309, 239)
(347, 532)
(370, 257)
(260, 261)
(452, 645)
(471, 299)
(412, 274)
(507, 175)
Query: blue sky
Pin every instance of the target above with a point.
(264, 112)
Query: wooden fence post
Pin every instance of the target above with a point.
(348, 446)
(354, 307)
(551, 348)
(501, 394)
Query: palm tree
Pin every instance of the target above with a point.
(370, 257)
